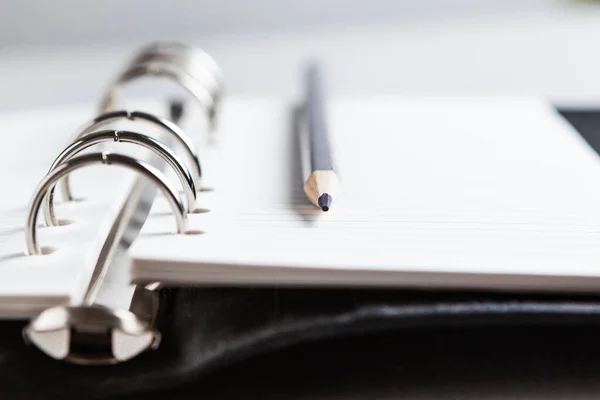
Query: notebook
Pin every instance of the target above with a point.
(505, 205)
(437, 192)
(486, 193)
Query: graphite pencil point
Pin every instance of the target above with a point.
(325, 201)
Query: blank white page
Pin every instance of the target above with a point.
(497, 193)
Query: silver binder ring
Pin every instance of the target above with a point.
(185, 65)
(194, 61)
(78, 162)
(190, 67)
(193, 57)
(162, 123)
(186, 81)
(147, 142)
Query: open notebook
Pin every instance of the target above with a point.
(495, 193)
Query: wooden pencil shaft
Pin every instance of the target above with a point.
(318, 140)
(321, 182)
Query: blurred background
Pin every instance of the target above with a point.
(65, 51)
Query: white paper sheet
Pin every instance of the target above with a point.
(461, 192)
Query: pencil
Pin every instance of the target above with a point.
(321, 181)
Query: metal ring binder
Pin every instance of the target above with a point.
(196, 62)
(128, 335)
(163, 123)
(191, 65)
(126, 137)
(191, 68)
(99, 158)
(183, 50)
(91, 333)
(187, 81)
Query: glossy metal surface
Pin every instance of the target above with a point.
(78, 162)
(125, 137)
(170, 127)
(91, 334)
(102, 335)
(191, 68)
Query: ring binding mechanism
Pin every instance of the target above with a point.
(169, 127)
(154, 145)
(200, 65)
(189, 54)
(78, 162)
(196, 62)
(191, 68)
(91, 333)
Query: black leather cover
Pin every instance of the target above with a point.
(342, 343)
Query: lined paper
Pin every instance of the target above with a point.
(462, 192)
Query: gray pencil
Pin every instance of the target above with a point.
(321, 181)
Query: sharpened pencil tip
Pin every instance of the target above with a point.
(324, 201)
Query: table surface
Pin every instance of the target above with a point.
(552, 53)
